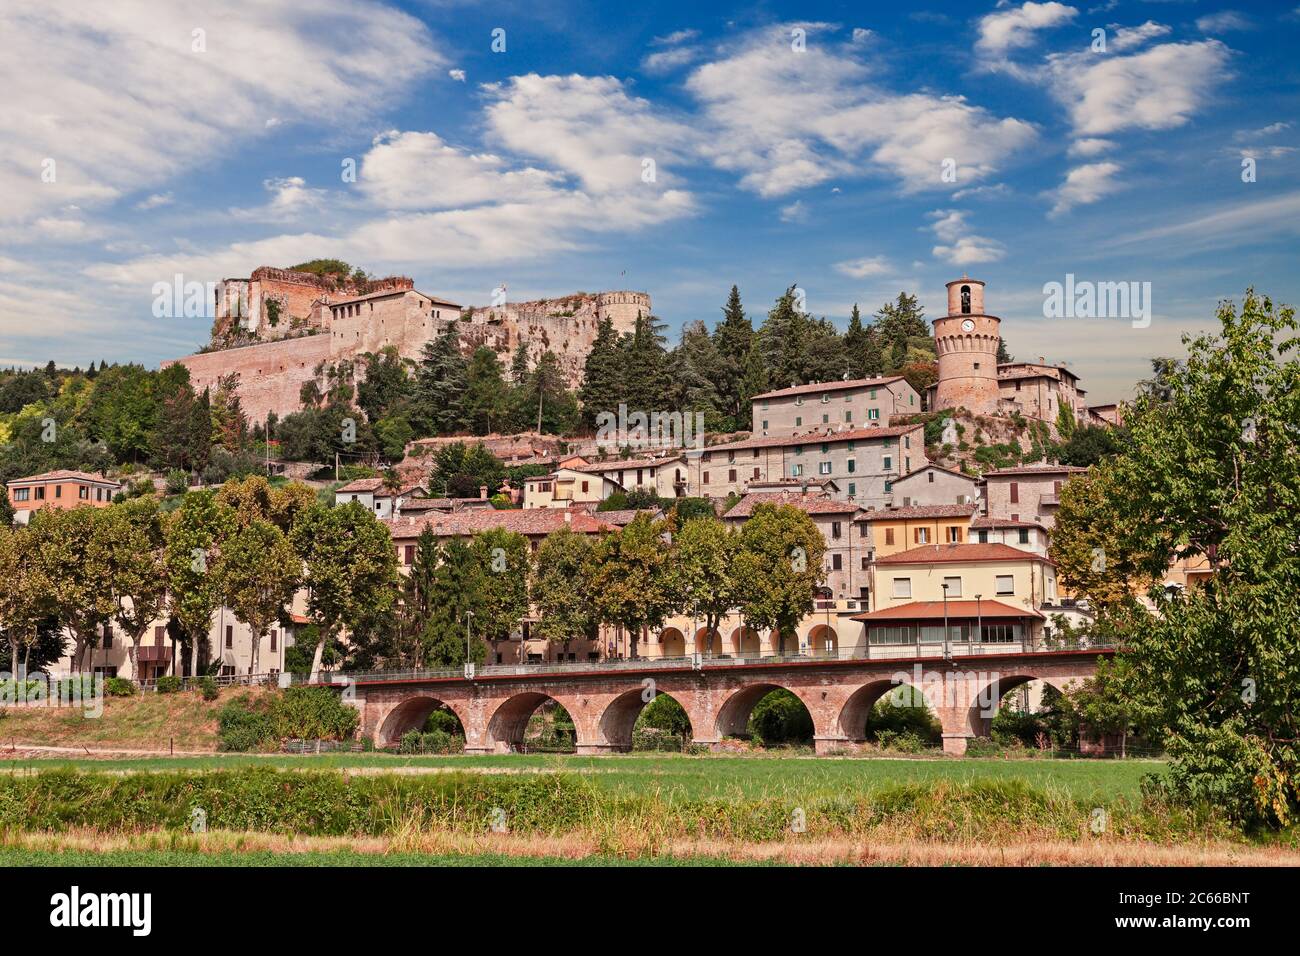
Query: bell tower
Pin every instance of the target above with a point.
(966, 340)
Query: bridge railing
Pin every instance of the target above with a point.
(869, 652)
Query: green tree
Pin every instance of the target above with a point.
(460, 470)
(194, 538)
(76, 564)
(562, 586)
(734, 340)
(503, 557)
(25, 598)
(705, 552)
(603, 376)
(349, 568)
(259, 572)
(485, 403)
(438, 403)
(1211, 472)
(458, 586)
(778, 568)
(635, 581)
(135, 538)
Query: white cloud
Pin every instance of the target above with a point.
(154, 201)
(291, 197)
(665, 61)
(956, 245)
(1086, 184)
(457, 75)
(786, 120)
(1130, 38)
(116, 94)
(1223, 22)
(587, 126)
(414, 170)
(677, 36)
(795, 212)
(1158, 88)
(1090, 146)
(1014, 28)
(864, 268)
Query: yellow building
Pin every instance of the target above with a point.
(894, 530)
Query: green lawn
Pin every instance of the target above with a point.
(725, 776)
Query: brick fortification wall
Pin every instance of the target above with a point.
(270, 374)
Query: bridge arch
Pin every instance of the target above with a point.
(987, 699)
(509, 722)
(411, 714)
(853, 715)
(619, 718)
(733, 716)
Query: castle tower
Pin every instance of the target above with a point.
(966, 341)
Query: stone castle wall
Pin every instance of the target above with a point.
(270, 374)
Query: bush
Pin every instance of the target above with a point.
(169, 684)
(178, 482)
(207, 686)
(307, 713)
(430, 742)
(119, 687)
(243, 726)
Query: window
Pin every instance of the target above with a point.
(826, 419)
(584, 487)
(230, 636)
(889, 463)
(274, 635)
(889, 486)
(824, 468)
(1015, 492)
(798, 449)
(158, 633)
(889, 536)
(921, 535)
(873, 394)
(835, 529)
(825, 398)
(902, 587)
(408, 555)
(929, 476)
(798, 421)
(755, 474)
(852, 465)
(893, 635)
(837, 562)
(40, 493)
(848, 416)
(796, 471)
(907, 441)
(954, 534)
(765, 424)
(83, 492)
(108, 637)
(798, 400)
(984, 537)
(853, 489)
(731, 474)
(1006, 584)
(21, 494)
(58, 491)
(706, 477)
(866, 564)
(954, 586)
(825, 448)
(1024, 535)
(873, 414)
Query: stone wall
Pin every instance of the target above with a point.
(270, 374)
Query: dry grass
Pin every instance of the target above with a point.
(146, 722)
(792, 850)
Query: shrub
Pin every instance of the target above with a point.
(207, 686)
(430, 742)
(244, 725)
(781, 718)
(119, 687)
(307, 713)
(169, 684)
(178, 482)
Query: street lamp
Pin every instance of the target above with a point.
(468, 615)
(979, 620)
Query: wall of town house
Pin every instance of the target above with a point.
(933, 487)
(1028, 491)
(846, 408)
(1033, 582)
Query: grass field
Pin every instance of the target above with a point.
(686, 776)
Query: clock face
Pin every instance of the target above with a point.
(968, 326)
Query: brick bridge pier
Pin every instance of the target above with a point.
(605, 699)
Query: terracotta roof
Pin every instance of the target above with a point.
(932, 610)
(919, 511)
(809, 504)
(1004, 523)
(427, 504)
(600, 466)
(65, 474)
(1035, 470)
(951, 553)
(361, 485)
(838, 386)
(817, 437)
(531, 521)
(930, 465)
(625, 516)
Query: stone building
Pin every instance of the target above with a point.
(1028, 493)
(844, 405)
(279, 329)
(933, 484)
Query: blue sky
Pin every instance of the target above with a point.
(790, 143)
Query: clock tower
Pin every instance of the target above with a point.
(966, 341)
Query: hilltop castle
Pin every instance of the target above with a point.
(277, 328)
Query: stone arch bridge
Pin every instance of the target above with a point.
(605, 698)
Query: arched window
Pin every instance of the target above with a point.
(965, 300)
